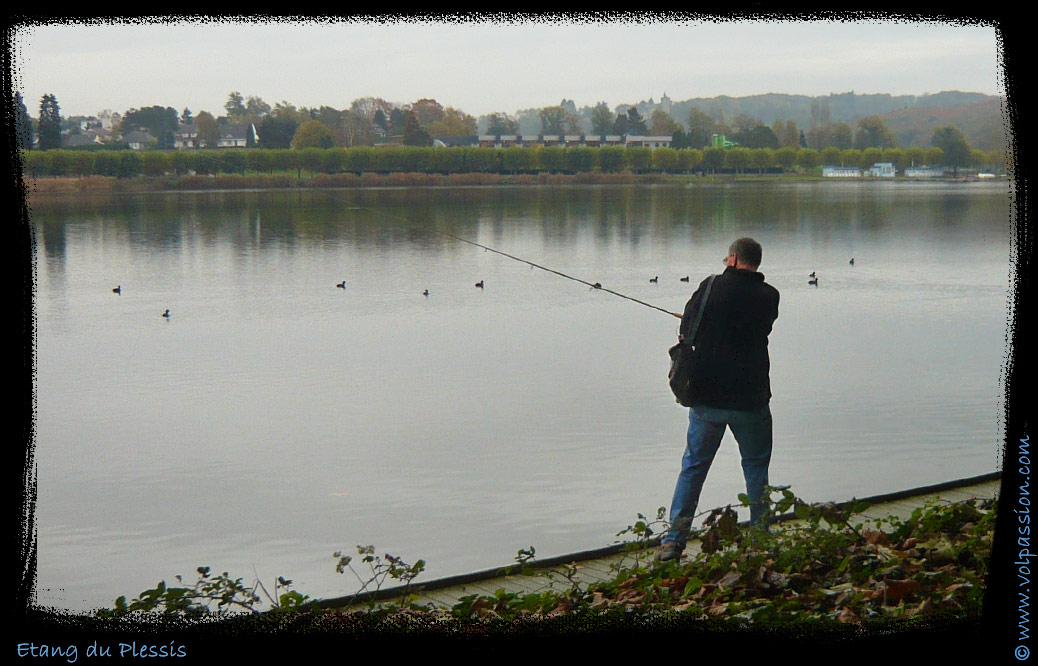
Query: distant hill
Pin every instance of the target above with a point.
(981, 123)
(912, 118)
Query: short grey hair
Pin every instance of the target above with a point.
(747, 250)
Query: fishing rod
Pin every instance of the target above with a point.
(596, 285)
(593, 285)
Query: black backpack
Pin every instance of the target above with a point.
(680, 376)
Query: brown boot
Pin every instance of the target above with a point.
(669, 551)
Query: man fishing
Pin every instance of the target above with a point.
(731, 387)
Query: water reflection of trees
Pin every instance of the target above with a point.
(384, 218)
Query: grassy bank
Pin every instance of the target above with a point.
(286, 180)
(826, 570)
(107, 184)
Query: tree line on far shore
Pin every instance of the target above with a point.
(512, 160)
(371, 121)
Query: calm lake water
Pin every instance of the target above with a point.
(275, 418)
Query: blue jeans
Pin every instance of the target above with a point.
(706, 425)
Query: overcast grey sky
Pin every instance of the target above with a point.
(485, 66)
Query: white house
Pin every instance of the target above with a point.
(572, 140)
(840, 172)
(186, 136)
(236, 136)
(883, 170)
(90, 123)
(84, 139)
(109, 120)
(924, 172)
(139, 140)
(648, 141)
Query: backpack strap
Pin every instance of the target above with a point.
(699, 313)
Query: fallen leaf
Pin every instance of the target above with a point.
(846, 615)
(843, 598)
(716, 610)
(729, 579)
(630, 596)
(837, 589)
(922, 609)
(799, 581)
(874, 536)
(674, 584)
(885, 553)
(892, 591)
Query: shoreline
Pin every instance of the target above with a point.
(59, 185)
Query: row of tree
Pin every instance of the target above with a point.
(514, 160)
(699, 128)
(369, 120)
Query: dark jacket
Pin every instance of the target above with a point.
(731, 364)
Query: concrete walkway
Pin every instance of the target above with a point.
(604, 563)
